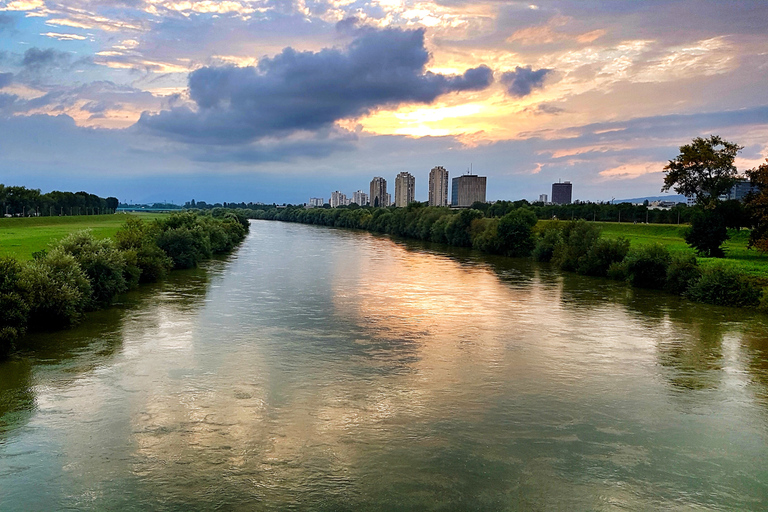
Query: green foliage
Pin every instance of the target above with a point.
(58, 291)
(548, 239)
(186, 247)
(724, 287)
(101, 261)
(646, 266)
(146, 262)
(515, 232)
(577, 239)
(704, 169)
(601, 256)
(457, 230)
(757, 207)
(13, 308)
(682, 272)
(707, 234)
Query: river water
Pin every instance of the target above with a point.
(322, 369)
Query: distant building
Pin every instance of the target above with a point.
(316, 202)
(438, 186)
(338, 199)
(740, 190)
(388, 201)
(360, 198)
(467, 189)
(562, 193)
(543, 198)
(405, 189)
(379, 196)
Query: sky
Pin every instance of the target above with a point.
(283, 100)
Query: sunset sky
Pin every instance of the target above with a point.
(280, 100)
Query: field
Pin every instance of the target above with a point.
(738, 256)
(20, 237)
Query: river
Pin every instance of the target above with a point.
(324, 369)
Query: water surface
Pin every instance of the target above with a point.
(322, 369)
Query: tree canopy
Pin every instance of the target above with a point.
(704, 169)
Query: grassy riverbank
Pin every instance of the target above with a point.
(22, 236)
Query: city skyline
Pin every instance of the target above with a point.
(265, 101)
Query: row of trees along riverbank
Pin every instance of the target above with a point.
(80, 273)
(571, 245)
(29, 202)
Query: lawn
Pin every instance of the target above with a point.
(20, 237)
(738, 256)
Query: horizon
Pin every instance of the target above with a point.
(259, 101)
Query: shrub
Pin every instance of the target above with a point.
(601, 256)
(457, 230)
(515, 232)
(646, 266)
(437, 231)
(707, 234)
(578, 237)
(101, 261)
(682, 272)
(484, 233)
(13, 308)
(148, 260)
(724, 287)
(186, 247)
(546, 242)
(57, 290)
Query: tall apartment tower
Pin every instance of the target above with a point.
(338, 199)
(467, 189)
(379, 194)
(405, 189)
(438, 186)
(561, 193)
(360, 198)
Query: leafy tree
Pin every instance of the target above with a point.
(515, 232)
(13, 309)
(757, 207)
(707, 234)
(704, 169)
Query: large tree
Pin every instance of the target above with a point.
(757, 206)
(704, 169)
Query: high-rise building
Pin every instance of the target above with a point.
(379, 194)
(543, 198)
(316, 202)
(360, 198)
(388, 200)
(562, 192)
(438, 186)
(467, 189)
(405, 189)
(338, 199)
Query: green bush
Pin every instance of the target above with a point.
(578, 237)
(646, 266)
(707, 234)
(13, 308)
(601, 256)
(724, 287)
(457, 230)
(57, 290)
(186, 247)
(546, 242)
(515, 232)
(484, 234)
(102, 262)
(682, 272)
(138, 240)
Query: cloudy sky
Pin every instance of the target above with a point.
(280, 100)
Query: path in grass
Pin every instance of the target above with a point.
(671, 236)
(20, 237)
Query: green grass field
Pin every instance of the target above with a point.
(738, 256)
(20, 237)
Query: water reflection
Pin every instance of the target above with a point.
(326, 369)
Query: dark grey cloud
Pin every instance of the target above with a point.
(5, 79)
(522, 81)
(308, 91)
(37, 59)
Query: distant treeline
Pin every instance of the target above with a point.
(81, 273)
(29, 202)
(571, 245)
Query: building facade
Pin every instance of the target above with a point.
(360, 198)
(338, 199)
(405, 189)
(316, 202)
(467, 189)
(543, 198)
(378, 196)
(438, 186)
(562, 193)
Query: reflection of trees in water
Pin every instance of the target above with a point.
(755, 341)
(90, 344)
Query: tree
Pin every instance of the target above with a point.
(757, 206)
(704, 169)
(707, 233)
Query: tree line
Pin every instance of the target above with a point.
(81, 273)
(28, 202)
